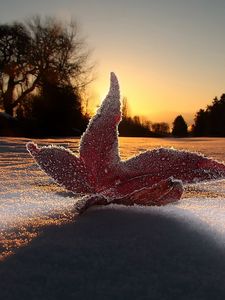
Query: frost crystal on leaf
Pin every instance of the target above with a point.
(151, 178)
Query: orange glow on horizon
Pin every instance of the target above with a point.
(156, 96)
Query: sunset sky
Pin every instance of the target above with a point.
(169, 55)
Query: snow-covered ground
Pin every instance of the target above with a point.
(115, 252)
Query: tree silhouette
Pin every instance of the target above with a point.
(125, 108)
(211, 121)
(132, 126)
(14, 63)
(36, 52)
(179, 127)
(161, 128)
(56, 110)
(201, 123)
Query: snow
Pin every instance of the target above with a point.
(115, 252)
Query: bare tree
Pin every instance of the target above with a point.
(160, 128)
(39, 51)
(14, 41)
(125, 108)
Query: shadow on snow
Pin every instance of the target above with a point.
(117, 253)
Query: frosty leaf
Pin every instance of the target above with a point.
(166, 191)
(63, 166)
(163, 163)
(161, 193)
(126, 186)
(146, 179)
(90, 200)
(99, 144)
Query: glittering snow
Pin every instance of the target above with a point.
(27, 196)
(111, 252)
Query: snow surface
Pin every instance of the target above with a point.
(114, 252)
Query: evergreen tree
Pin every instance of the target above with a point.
(211, 122)
(200, 127)
(179, 127)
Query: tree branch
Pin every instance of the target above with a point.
(25, 93)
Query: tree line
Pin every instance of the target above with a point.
(207, 122)
(211, 121)
(137, 126)
(45, 68)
